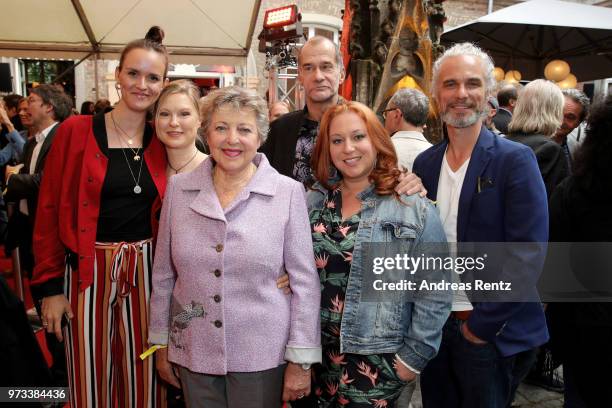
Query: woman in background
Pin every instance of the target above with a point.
(581, 333)
(537, 115)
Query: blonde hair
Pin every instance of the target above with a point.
(539, 109)
(181, 86)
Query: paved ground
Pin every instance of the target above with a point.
(527, 396)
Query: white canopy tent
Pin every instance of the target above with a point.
(197, 31)
(528, 35)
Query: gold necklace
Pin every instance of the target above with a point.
(118, 131)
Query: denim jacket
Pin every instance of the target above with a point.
(409, 323)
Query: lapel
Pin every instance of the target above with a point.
(481, 155)
(290, 139)
(44, 149)
(431, 169)
(28, 149)
(206, 202)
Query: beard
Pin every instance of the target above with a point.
(464, 121)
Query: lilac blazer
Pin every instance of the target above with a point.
(214, 300)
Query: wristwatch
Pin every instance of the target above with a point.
(306, 366)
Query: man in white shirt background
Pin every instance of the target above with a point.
(405, 117)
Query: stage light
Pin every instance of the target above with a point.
(280, 17)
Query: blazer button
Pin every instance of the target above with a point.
(217, 298)
(218, 323)
(217, 273)
(85, 203)
(90, 179)
(97, 155)
(83, 230)
(219, 247)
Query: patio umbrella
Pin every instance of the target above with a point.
(528, 35)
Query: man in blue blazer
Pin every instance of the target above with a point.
(488, 189)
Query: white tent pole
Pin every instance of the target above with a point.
(490, 9)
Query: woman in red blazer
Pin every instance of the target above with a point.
(103, 183)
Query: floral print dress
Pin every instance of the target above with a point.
(344, 380)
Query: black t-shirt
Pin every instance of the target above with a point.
(124, 215)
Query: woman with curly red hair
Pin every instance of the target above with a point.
(375, 341)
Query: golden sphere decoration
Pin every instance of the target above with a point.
(513, 76)
(498, 73)
(556, 70)
(569, 82)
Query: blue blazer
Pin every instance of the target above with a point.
(503, 199)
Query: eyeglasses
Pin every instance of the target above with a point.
(384, 113)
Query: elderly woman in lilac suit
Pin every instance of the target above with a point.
(228, 231)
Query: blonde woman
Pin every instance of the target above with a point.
(537, 116)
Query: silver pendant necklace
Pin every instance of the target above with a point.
(137, 189)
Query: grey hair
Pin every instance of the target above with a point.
(413, 104)
(51, 95)
(238, 98)
(580, 98)
(539, 109)
(470, 49)
(182, 86)
(318, 39)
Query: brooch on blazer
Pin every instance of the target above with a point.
(484, 183)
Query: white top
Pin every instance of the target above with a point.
(408, 145)
(40, 139)
(449, 191)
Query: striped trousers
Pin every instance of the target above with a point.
(109, 331)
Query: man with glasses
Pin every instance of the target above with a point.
(405, 119)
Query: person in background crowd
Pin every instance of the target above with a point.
(367, 359)
(104, 179)
(487, 189)
(278, 109)
(581, 333)
(47, 108)
(232, 335)
(13, 151)
(405, 118)
(575, 112)
(507, 97)
(102, 106)
(493, 109)
(537, 116)
(88, 108)
(11, 105)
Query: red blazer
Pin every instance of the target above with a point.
(69, 202)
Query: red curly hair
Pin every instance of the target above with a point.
(385, 174)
